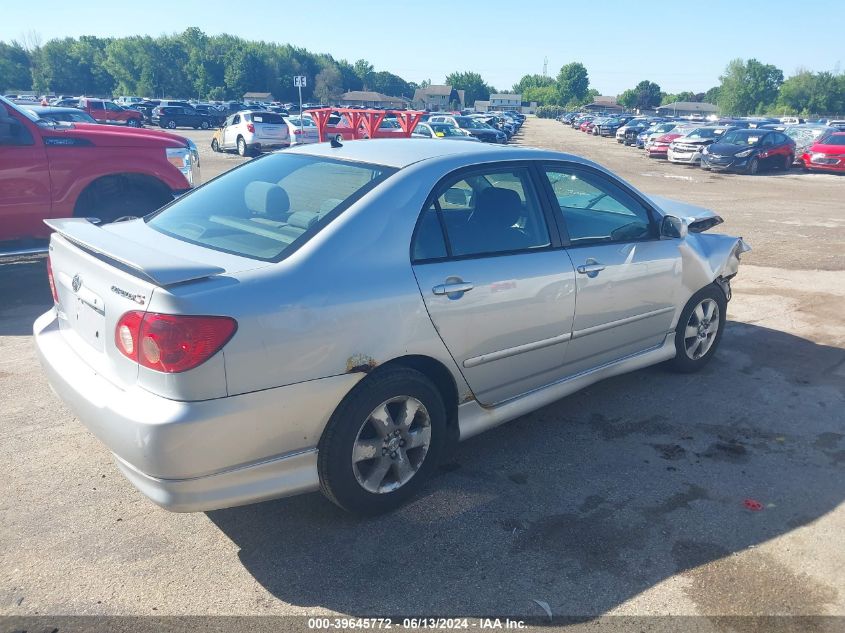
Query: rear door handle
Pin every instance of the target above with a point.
(590, 269)
(452, 288)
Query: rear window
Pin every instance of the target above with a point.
(267, 117)
(269, 207)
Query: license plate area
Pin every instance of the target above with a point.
(88, 318)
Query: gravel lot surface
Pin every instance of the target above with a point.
(626, 498)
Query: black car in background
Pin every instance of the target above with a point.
(632, 129)
(749, 151)
(215, 116)
(172, 117)
(610, 126)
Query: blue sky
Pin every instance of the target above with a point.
(678, 45)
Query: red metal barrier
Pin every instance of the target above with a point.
(364, 123)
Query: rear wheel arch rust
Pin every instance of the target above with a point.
(431, 368)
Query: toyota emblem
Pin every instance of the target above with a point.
(76, 284)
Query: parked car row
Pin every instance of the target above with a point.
(744, 145)
(253, 131)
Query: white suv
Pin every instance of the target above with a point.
(252, 131)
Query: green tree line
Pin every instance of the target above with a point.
(188, 64)
(751, 87)
(746, 87)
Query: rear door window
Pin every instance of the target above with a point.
(486, 212)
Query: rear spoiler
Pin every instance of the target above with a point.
(159, 267)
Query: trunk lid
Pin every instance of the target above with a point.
(103, 272)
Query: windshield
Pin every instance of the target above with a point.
(702, 133)
(447, 130)
(472, 124)
(664, 127)
(269, 207)
(834, 139)
(742, 137)
(804, 135)
(306, 121)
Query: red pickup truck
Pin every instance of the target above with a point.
(62, 170)
(105, 111)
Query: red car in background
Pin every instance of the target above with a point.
(659, 147)
(827, 154)
(105, 111)
(586, 125)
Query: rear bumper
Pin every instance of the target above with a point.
(269, 145)
(190, 456)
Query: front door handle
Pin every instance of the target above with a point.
(592, 268)
(452, 288)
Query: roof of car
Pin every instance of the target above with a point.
(403, 152)
(46, 109)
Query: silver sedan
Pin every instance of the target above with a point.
(335, 318)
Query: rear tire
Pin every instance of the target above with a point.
(171, 125)
(243, 150)
(382, 442)
(699, 330)
(204, 125)
(133, 123)
(214, 146)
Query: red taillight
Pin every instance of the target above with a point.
(297, 131)
(250, 128)
(172, 343)
(52, 281)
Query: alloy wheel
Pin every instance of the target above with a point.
(701, 329)
(391, 445)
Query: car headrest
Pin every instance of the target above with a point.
(267, 199)
(498, 207)
(303, 219)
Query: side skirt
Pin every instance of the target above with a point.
(473, 418)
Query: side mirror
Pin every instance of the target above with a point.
(673, 228)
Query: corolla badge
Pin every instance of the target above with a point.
(139, 299)
(76, 283)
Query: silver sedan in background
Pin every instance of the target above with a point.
(335, 318)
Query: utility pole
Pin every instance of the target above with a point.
(545, 67)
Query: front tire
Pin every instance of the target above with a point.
(382, 442)
(204, 125)
(753, 167)
(699, 329)
(133, 123)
